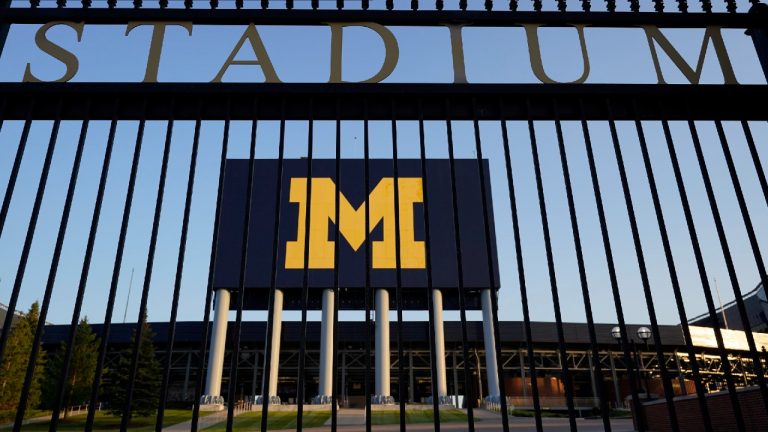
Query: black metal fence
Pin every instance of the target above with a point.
(674, 111)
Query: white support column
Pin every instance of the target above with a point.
(491, 368)
(382, 347)
(437, 312)
(325, 387)
(212, 394)
(274, 354)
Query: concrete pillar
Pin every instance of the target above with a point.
(382, 343)
(186, 375)
(615, 376)
(593, 379)
(411, 383)
(216, 351)
(437, 311)
(491, 367)
(522, 374)
(325, 387)
(274, 354)
(455, 364)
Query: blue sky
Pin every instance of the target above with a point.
(302, 55)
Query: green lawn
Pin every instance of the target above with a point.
(105, 422)
(417, 416)
(276, 420)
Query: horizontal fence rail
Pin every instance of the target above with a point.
(412, 101)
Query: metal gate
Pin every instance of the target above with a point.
(672, 110)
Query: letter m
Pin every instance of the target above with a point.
(351, 224)
(693, 76)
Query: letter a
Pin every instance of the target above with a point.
(262, 58)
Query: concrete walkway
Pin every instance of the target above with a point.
(354, 420)
(349, 417)
(203, 422)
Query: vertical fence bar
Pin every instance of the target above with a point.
(729, 259)
(460, 273)
(52, 273)
(369, 293)
(300, 393)
(336, 261)
(142, 317)
(758, 367)
(755, 159)
(5, 27)
(9, 190)
(399, 280)
(641, 424)
(95, 219)
(241, 282)
(595, 367)
(521, 278)
(211, 267)
(700, 390)
(179, 272)
(428, 261)
(273, 277)
(669, 394)
(492, 286)
(21, 269)
(693, 235)
(552, 275)
(116, 271)
(760, 35)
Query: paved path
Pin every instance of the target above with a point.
(203, 422)
(484, 421)
(349, 417)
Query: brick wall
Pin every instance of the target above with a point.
(720, 412)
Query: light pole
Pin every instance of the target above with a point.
(641, 333)
(644, 333)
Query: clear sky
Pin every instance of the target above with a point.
(301, 54)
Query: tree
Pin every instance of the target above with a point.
(13, 367)
(81, 370)
(146, 388)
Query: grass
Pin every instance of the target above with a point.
(105, 422)
(7, 416)
(275, 420)
(417, 416)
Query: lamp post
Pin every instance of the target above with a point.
(644, 333)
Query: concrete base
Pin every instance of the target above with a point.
(382, 400)
(212, 407)
(443, 401)
(322, 400)
(258, 400)
(206, 400)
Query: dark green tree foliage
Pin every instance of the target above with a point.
(13, 367)
(77, 389)
(146, 389)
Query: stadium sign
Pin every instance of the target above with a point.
(351, 262)
(250, 42)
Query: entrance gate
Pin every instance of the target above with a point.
(690, 106)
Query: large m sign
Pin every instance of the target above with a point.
(351, 223)
(308, 224)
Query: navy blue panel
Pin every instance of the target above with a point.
(352, 265)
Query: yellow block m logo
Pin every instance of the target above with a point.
(351, 223)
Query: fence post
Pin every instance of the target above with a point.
(760, 35)
(4, 26)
